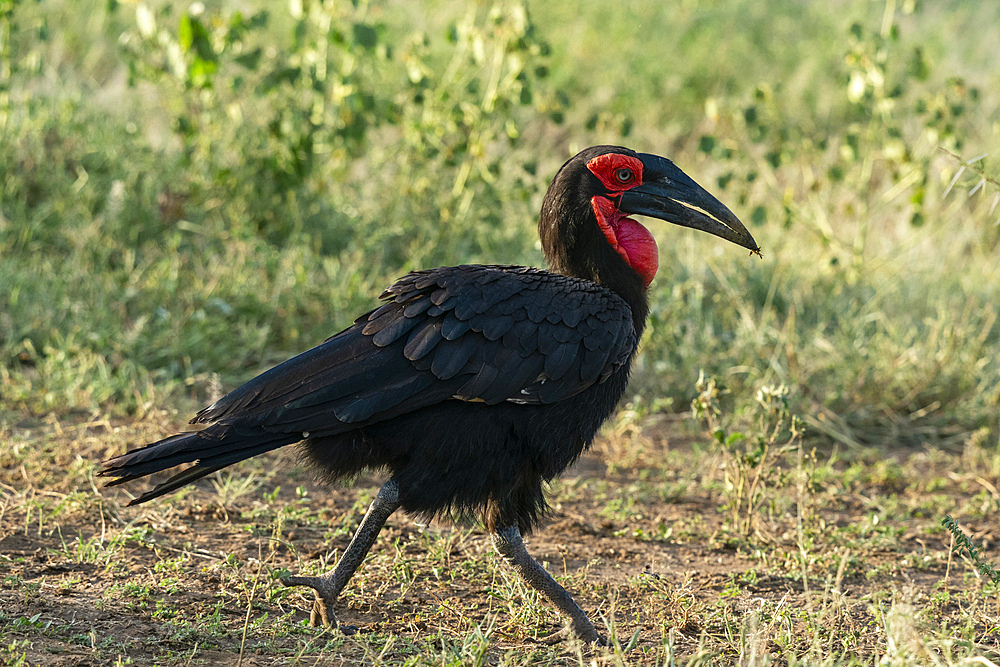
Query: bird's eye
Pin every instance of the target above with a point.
(623, 175)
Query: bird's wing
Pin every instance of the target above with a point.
(472, 333)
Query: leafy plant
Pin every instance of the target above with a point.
(751, 463)
(964, 546)
(316, 95)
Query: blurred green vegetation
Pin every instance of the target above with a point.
(188, 190)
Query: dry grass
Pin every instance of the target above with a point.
(846, 562)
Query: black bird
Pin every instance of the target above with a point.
(470, 385)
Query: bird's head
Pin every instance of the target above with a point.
(585, 226)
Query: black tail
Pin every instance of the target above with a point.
(211, 450)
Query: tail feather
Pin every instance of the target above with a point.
(211, 450)
(177, 481)
(154, 457)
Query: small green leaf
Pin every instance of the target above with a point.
(185, 33)
(365, 35)
(250, 60)
(202, 72)
(734, 438)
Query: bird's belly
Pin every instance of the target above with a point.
(473, 458)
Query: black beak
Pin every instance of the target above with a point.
(669, 194)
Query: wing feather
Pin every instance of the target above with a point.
(475, 333)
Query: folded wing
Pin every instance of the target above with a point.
(470, 333)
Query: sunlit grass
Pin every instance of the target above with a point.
(161, 243)
(132, 276)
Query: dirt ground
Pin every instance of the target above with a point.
(645, 544)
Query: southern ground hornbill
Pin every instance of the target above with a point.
(470, 385)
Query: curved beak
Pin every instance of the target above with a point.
(669, 194)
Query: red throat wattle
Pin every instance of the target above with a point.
(629, 239)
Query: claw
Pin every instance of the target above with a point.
(322, 614)
(329, 586)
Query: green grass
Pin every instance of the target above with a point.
(187, 199)
(843, 561)
(141, 261)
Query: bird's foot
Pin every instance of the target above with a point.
(321, 614)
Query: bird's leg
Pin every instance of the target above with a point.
(510, 545)
(329, 586)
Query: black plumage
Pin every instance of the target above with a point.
(471, 385)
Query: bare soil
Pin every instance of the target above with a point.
(193, 580)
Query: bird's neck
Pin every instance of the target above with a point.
(574, 246)
(622, 279)
(608, 269)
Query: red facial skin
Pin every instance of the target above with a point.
(631, 240)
